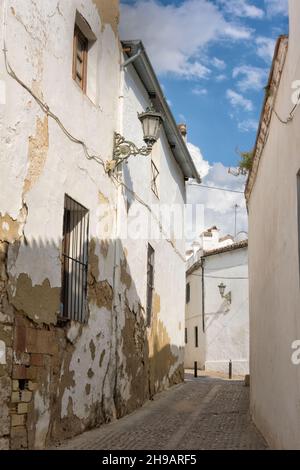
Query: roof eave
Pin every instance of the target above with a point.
(148, 77)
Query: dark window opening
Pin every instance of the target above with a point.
(185, 336)
(75, 260)
(150, 282)
(196, 336)
(188, 293)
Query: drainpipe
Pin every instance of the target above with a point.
(131, 59)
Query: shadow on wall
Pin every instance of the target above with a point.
(68, 376)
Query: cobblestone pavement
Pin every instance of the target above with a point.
(203, 413)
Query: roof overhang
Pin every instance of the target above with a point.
(145, 71)
(215, 251)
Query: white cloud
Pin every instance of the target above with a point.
(241, 8)
(202, 165)
(199, 91)
(251, 78)
(265, 48)
(248, 125)
(175, 35)
(277, 7)
(239, 101)
(237, 33)
(221, 78)
(218, 63)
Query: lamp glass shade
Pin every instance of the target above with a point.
(222, 288)
(151, 122)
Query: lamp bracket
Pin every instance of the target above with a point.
(123, 149)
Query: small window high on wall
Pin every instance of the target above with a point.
(80, 58)
(74, 260)
(85, 57)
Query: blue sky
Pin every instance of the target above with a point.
(213, 59)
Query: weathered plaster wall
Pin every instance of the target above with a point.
(58, 381)
(164, 337)
(274, 267)
(60, 378)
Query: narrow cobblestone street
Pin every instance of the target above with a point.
(203, 413)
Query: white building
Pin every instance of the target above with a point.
(217, 310)
(89, 327)
(273, 196)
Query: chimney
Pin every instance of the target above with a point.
(183, 131)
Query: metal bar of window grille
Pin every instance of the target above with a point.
(83, 223)
(76, 265)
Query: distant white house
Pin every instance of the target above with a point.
(217, 309)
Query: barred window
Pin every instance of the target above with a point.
(150, 282)
(75, 260)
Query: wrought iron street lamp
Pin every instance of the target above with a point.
(123, 149)
(222, 288)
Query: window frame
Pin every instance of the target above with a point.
(78, 35)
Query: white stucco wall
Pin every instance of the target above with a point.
(226, 335)
(274, 267)
(227, 325)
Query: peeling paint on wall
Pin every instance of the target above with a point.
(109, 13)
(135, 365)
(40, 303)
(37, 153)
(10, 229)
(162, 358)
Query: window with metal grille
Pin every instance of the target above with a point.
(75, 260)
(150, 282)
(185, 336)
(188, 293)
(196, 336)
(154, 178)
(80, 56)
